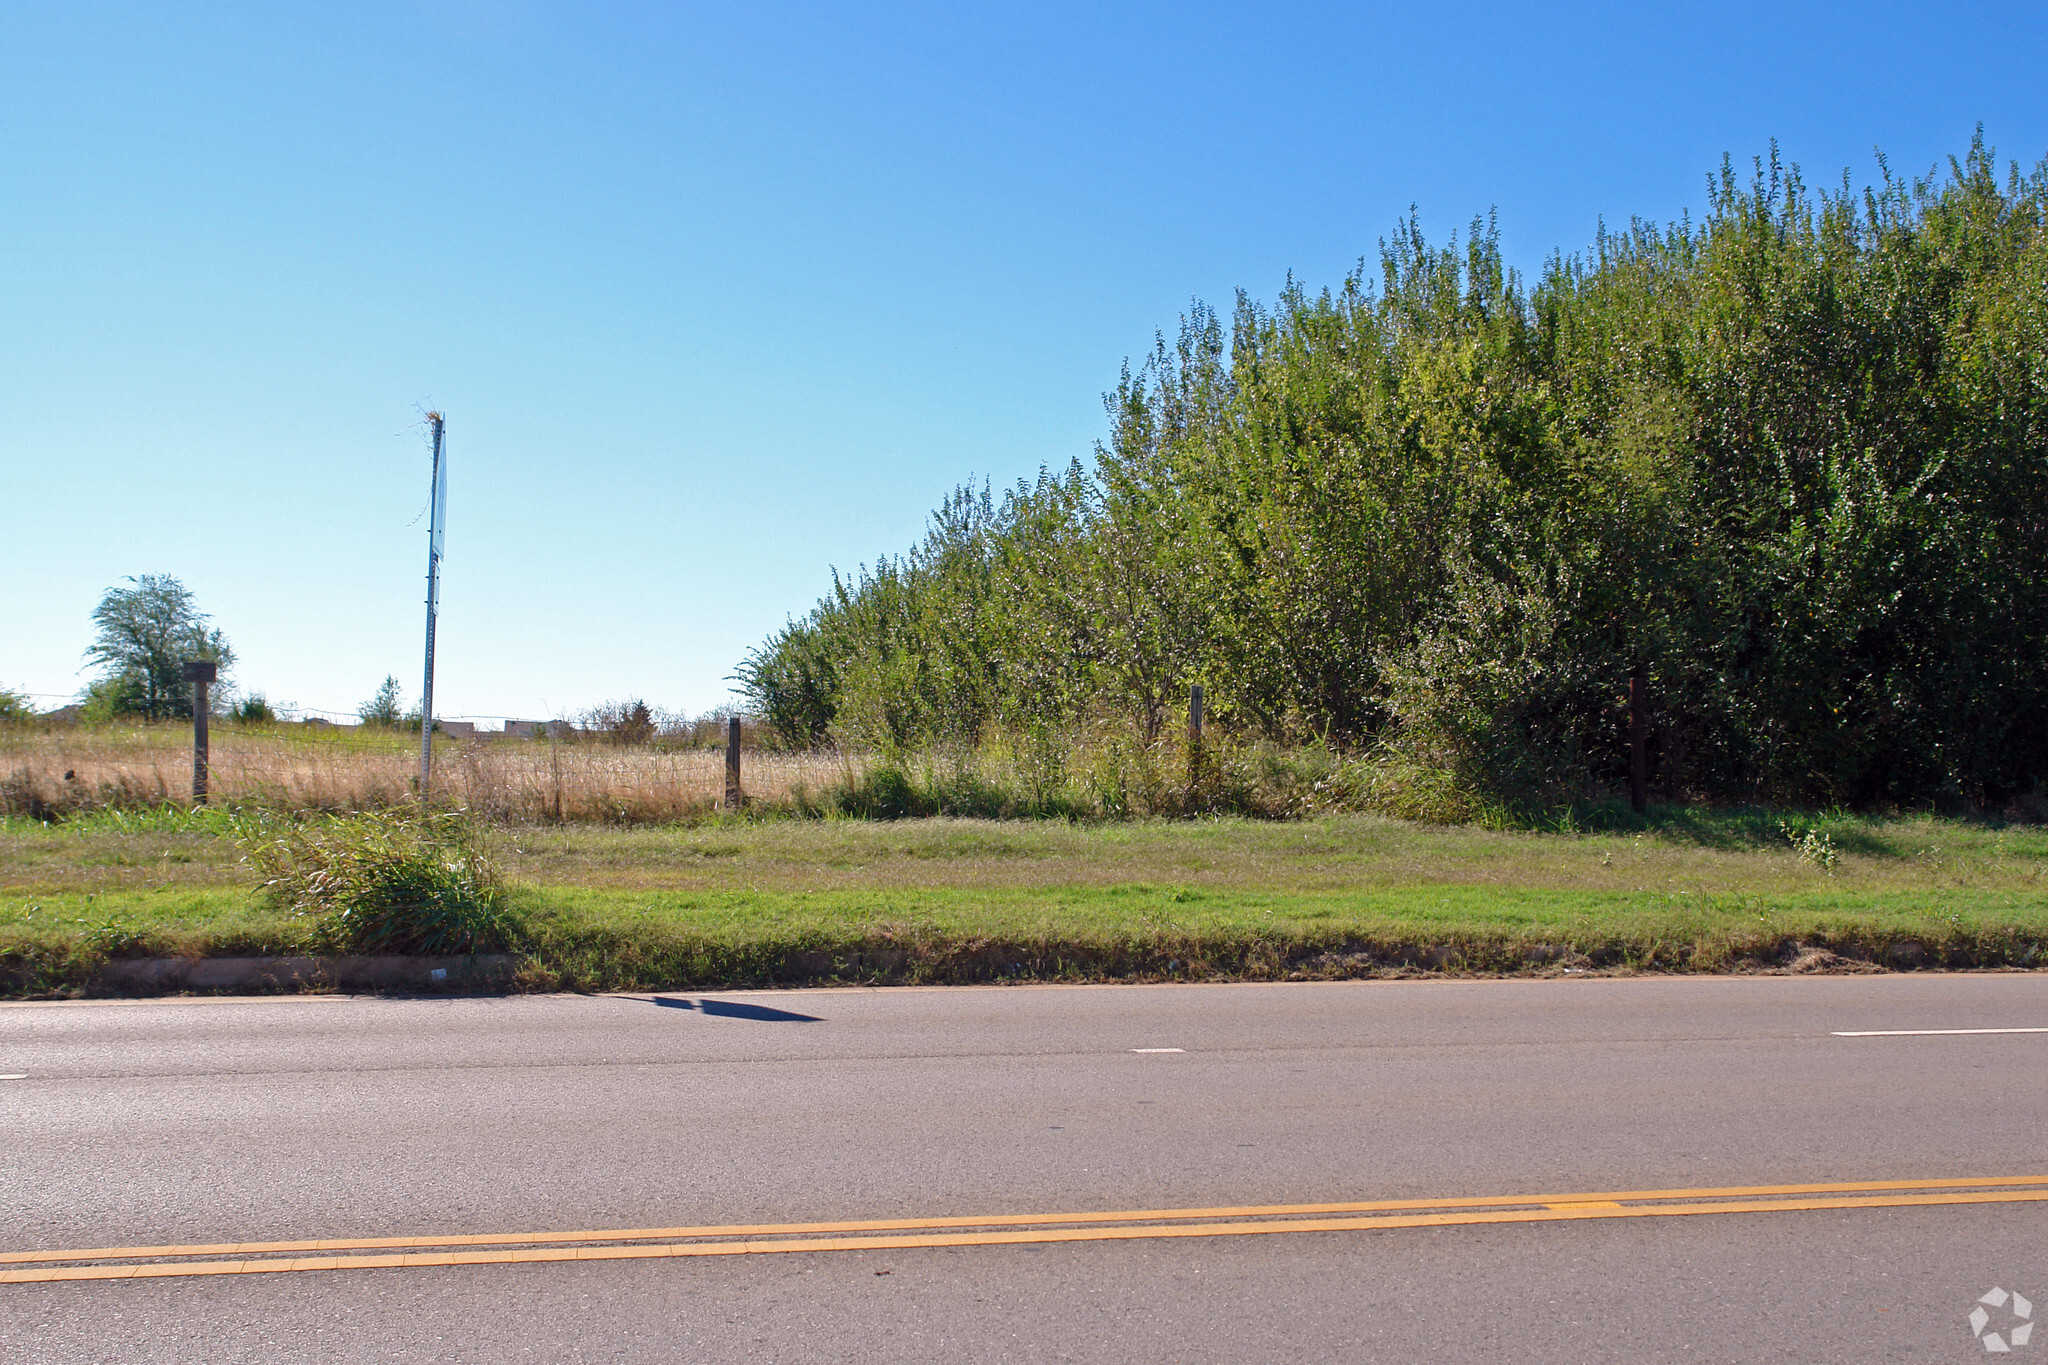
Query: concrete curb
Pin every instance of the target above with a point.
(165, 974)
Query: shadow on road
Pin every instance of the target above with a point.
(725, 1009)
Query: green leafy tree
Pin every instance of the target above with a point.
(386, 707)
(145, 633)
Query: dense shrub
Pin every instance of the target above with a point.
(1791, 461)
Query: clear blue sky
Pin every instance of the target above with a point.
(719, 296)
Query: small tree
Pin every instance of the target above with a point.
(146, 632)
(636, 726)
(622, 722)
(387, 707)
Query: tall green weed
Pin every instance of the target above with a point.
(383, 881)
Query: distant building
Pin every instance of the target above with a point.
(538, 729)
(457, 729)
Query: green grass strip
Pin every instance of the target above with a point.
(605, 939)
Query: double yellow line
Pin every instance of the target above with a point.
(896, 1234)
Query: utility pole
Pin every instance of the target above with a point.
(437, 527)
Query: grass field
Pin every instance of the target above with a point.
(785, 901)
(52, 771)
(64, 770)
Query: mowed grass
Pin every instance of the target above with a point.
(751, 903)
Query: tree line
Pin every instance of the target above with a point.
(1786, 462)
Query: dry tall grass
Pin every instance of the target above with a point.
(53, 772)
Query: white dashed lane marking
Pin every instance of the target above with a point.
(1922, 1032)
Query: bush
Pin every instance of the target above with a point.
(1108, 774)
(107, 700)
(384, 881)
(903, 789)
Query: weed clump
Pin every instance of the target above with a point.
(1813, 845)
(384, 881)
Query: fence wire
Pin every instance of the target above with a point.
(65, 769)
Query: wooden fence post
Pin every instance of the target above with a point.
(1194, 742)
(1638, 739)
(200, 672)
(733, 795)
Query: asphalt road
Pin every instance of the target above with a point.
(209, 1121)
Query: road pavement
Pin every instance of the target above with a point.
(238, 1121)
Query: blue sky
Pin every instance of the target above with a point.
(717, 297)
